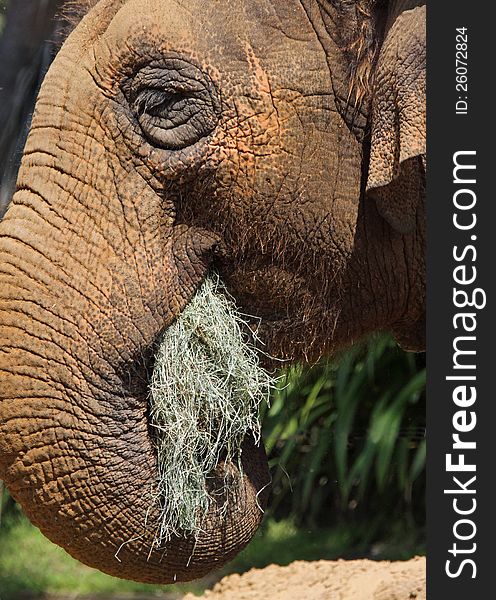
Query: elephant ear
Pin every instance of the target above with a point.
(396, 177)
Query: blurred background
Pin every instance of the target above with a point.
(345, 440)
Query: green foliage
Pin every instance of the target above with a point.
(7, 504)
(346, 440)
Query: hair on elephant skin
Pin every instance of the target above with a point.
(279, 145)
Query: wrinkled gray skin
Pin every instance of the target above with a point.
(265, 139)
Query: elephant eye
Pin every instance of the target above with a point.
(175, 108)
(158, 104)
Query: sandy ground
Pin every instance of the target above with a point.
(326, 580)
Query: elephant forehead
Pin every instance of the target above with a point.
(219, 35)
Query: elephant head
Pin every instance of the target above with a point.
(279, 143)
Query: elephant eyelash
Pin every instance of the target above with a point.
(157, 103)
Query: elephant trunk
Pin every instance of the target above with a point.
(92, 271)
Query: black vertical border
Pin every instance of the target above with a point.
(447, 134)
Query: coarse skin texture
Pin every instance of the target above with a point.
(270, 140)
(326, 580)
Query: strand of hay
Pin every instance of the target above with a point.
(205, 392)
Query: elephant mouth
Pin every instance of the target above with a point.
(203, 385)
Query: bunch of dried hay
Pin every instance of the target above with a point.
(205, 393)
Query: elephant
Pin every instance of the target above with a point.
(281, 144)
